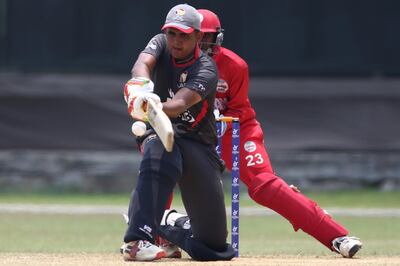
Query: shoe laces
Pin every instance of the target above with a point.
(343, 241)
(346, 239)
(144, 244)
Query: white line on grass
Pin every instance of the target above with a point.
(112, 209)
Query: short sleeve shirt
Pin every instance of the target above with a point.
(200, 75)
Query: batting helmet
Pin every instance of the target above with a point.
(210, 24)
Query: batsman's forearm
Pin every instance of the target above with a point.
(174, 108)
(140, 70)
(182, 101)
(143, 66)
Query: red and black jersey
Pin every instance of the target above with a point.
(199, 74)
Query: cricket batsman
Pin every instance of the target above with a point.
(181, 80)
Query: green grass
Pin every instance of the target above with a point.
(60, 233)
(274, 236)
(358, 198)
(65, 198)
(362, 198)
(270, 235)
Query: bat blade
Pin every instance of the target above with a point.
(161, 124)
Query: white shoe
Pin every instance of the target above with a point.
(171, 250)
(141, 250)
(347, 246)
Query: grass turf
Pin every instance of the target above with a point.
(270, 235)
(354, 199)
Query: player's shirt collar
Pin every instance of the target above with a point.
(189, 61)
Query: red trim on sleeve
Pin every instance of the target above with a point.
(201, 115)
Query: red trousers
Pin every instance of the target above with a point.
(271, 191)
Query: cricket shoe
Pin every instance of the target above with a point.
(141, 250)
(171, 250)
(347, 246)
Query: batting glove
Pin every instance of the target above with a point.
(139, 105)
(134, 88)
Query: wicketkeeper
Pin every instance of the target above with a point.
(264, 186)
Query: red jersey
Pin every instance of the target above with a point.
(233, 86)
(256, 172)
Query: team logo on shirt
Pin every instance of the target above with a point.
(152, 44)
(183, 77)
(250, 146)
(200, 86)
(222, 86)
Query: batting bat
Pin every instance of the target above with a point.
(161, 124)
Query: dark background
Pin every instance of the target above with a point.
(324, 74)
(287, 37)
(324, 83)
